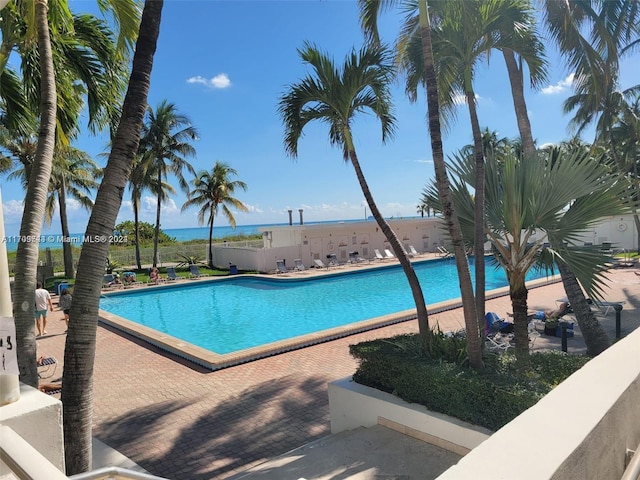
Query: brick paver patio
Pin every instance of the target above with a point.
(180, 421)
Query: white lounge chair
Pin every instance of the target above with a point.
(379, 256)
(333, 260)
(388, 254)
(605, 307)
(413, 252)
(443, 252)
(281, 267)
(319, 263)
(299, 266)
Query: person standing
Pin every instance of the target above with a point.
(43, 300)
(65, 304)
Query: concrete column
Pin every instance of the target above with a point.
(9, 384)
(290, 217)
(300, 211)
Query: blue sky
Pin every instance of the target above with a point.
(225, 65)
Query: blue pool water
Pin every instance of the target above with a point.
(241, 312)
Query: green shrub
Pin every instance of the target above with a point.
(489, 398)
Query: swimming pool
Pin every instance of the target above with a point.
(234, 314)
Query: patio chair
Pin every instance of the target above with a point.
(498, 342)
(379, 256)
(194, 271)
(172, 276)
(413, 252)
(388, 254)
(47, 367)
(605, 307)
(333, 260)
(443, 252)
(111, 280)
(319, 263)
(299, 266)
(281, 267)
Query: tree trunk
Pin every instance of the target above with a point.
(156, 233)
(444, 192)
(478, 244)
(34, 208)
(398, 249)
(519, 103)
(595, 338)
(519, 296)
(67, 251)
(136, 227)
(79, 356)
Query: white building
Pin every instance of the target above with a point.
(319, 240)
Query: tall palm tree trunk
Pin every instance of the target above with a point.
(79, 355)
(407, 267)
(444, 192)
(34, 207)
(136, 227)
(478, 244)
(519, 103)
(156, 233)
(67, 251)
(595, 338)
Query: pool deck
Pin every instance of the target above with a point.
(180, 420)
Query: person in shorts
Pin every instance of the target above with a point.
(43, 302)
(65, 304)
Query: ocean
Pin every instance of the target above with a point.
(54, 241)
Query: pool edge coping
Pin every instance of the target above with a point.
(215, 361)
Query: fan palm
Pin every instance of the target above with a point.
(334, 95)
(165, 142)
(80, 347)
(530, 204)
(212, 191)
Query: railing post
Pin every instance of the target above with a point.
(563, 329)
(618, 308)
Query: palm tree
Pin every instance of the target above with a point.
(421, 25)
(530, 204)
(213, 190)
(143, 177)
(465, 33)
(79, 355)
(334, 95)
(71, 40)
(34, 206)
(74, 174)
(166, 143)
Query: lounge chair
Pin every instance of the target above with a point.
(319, 263)
(443, 252)
(379, 256)
(299, 266)
(388, 254)
(498, 342)
(355, 258)
(413, 252)
(281, 267)
(47, 367)
(129, 279)
(110, 280)
(605, 307)
(333, 260)
(194, 271)
(172, 276)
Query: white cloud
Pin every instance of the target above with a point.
(461, 99)
(560, 87)
(12, 209)
(219, 81)
(425, 160)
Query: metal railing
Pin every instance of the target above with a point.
(632, 472)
